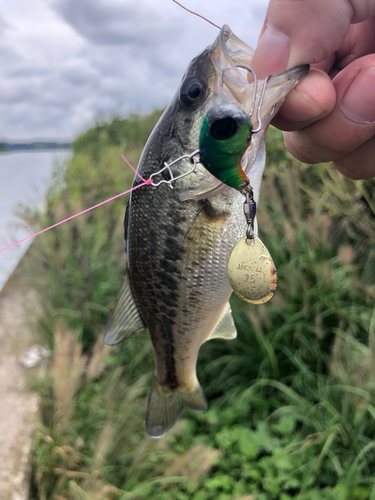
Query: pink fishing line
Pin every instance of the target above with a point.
(148, 182)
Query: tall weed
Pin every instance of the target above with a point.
(292, 409)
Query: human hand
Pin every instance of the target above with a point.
(330, 115)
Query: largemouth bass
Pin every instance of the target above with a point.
(178, 241)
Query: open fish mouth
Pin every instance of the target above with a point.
(237, 85)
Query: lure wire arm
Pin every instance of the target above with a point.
(244, 66)
(261, 98)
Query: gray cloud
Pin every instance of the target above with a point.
(4, 25)
(113, 23)
(93, 58)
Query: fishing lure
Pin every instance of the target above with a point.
(225, 136)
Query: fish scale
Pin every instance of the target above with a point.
(198, 276)
(178, 241)
(148, 251)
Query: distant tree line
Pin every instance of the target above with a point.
(12, 146)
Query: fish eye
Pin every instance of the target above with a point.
(194, 90)
(223, 129)
(191, 91)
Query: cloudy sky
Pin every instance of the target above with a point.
(66, 63)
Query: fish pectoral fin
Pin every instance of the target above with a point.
(165, 405)
(225, 327)
(203, 234)
(125, 320)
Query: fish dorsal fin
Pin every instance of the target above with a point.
(225, 328)
(125, 320)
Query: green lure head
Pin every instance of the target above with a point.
(225, 135)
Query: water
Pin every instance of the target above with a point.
(24, 178)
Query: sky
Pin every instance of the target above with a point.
(65, 64)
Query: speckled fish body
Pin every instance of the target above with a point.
(178, 241)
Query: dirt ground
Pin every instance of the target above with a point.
(19, 407)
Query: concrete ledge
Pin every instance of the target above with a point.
(19, 407)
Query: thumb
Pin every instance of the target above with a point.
(305, 31)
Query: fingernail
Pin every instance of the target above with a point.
(358, 103)
(272, 53)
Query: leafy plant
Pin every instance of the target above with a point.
(292, 401)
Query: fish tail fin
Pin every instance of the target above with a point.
(164, 406)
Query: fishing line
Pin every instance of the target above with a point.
(192, 157)
(144, 183)
(195, 14)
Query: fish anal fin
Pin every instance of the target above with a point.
(225, 327)
(165, 405)
(125, 320)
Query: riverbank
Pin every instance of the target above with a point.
(290, 400)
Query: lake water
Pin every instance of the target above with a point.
(24, 178)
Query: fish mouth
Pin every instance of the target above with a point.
(236, 84)
(231, 84)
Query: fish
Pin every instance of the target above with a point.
(179, 235)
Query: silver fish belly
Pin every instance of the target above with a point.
(178, 241)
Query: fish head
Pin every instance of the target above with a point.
(203, 86)
(216, 77)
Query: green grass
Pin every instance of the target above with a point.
(291, 400)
